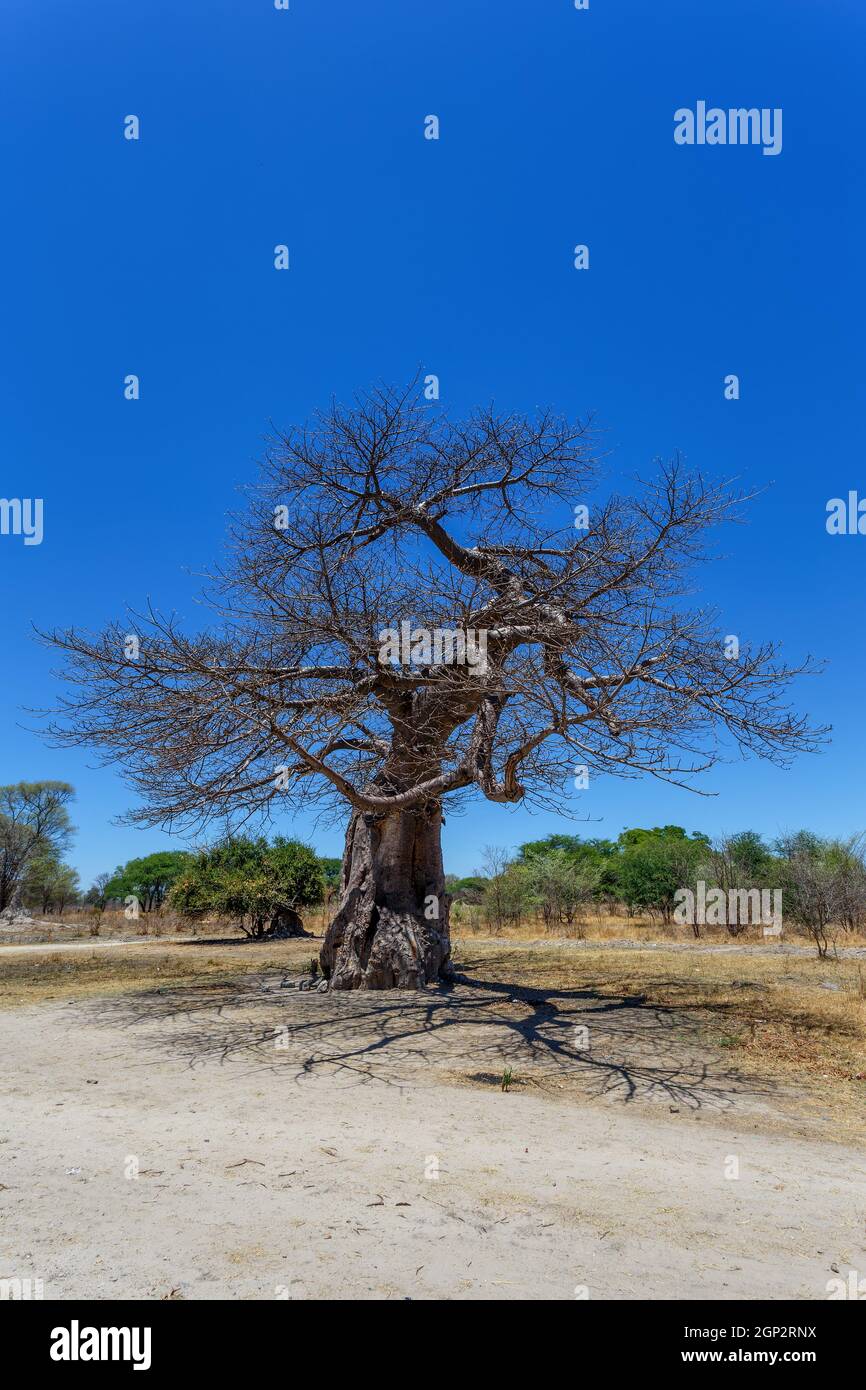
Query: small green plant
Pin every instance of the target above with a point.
(507, 1078)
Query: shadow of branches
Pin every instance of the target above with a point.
(578, 1040)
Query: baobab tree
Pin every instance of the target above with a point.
(415, 610)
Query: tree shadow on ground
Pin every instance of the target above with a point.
(578, 1041)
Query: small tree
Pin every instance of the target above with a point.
(738, 863)
(260, 886)
(564, 884)
(594, 860)
(148, 879)
(545, 880)
(507, 890)
(34, 820)
(813, 898)
(824, 885)
(96, 898)
(848, 859)
(655, 864)
(97, 894)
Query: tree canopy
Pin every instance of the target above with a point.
(148, 879)
(34, 821)
(250, 881)
(356, 525)
(48, 883)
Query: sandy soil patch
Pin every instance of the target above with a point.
(302, 1146)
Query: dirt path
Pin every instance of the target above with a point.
(302, 1146)
(558, 943)
(26, 947)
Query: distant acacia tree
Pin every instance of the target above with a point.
(563, 885)
(257, 885)
(655, 863)
(507, 892)
(383, 514)
(97, 895)
(49, 883)
(148, 879)
(594, 864)
(824, 884)
(741, 862)
(34, 821)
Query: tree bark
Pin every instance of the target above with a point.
(287, 922)
(391, 928)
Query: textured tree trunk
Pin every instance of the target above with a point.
(287, 922)
(391, 928)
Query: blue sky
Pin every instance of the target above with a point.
(305, 127)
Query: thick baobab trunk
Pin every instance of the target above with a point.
(391, 927)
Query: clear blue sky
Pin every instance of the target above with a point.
(305, 127)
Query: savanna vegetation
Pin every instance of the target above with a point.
(258, 885)
(567, 884)
(563, 884)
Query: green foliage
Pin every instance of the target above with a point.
(822, 880)
(736, 863)
(750, 857)
(802, 844)
(148, 879)
(249, 881)
(654, 864)
(331, 870)
(594, 860)
(630, 839)
(563, 883)
(571, 845)
(34, 820)
(507, 895)
(49, 883)
(466, 890)
(643, 868)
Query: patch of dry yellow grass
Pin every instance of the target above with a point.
(471, 923)
(44, 975)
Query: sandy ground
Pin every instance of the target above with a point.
(299, 1146)
(30, 947)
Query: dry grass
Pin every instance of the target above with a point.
(466, 921)
(471, 922)
(34, 977)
